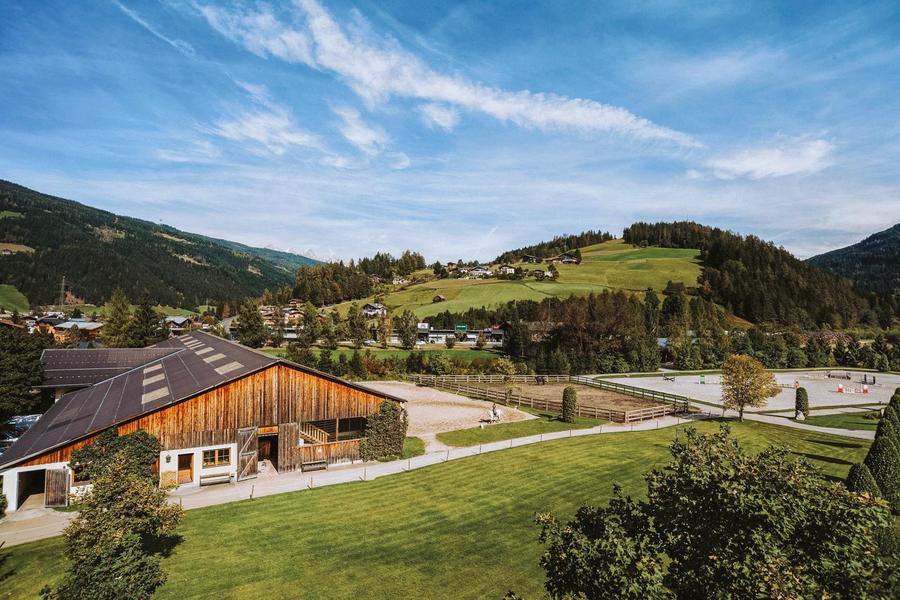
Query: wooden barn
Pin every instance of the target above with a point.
(218, 409)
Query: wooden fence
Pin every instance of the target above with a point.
(460, 384)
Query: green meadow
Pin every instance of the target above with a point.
(462, 529)
(12, 298)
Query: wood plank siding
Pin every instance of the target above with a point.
(280, 395)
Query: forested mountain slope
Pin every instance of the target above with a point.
(873, 264)
(44, 238)
(761, 282)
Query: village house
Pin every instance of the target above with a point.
(507, 270)
(89, 331)
(480, 272)
(373, 310)
(219, 409)
(530, 259)
(177, 325)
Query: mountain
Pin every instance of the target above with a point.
(873, 264)
(761, 282)
(44, 238)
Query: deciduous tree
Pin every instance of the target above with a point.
(746, 382)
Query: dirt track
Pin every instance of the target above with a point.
(433, 411)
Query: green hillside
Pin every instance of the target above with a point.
(11, 298)
(44, 238)
(609, 265)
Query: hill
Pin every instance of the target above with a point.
(873, 264)
(761, 282)
(44, 238)
(608, 265)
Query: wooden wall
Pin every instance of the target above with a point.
(276, 395)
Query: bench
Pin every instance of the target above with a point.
(214, 479)
(314, 465)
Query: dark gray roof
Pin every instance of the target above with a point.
(196, 363)
(81, 368)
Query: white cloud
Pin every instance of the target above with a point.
(367, 138)
(380, 69)
(260, 32)
(179, 45)
(784, 157)
(271, 126)
(445, 117)
(398, 161)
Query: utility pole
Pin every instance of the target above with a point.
(62, 292)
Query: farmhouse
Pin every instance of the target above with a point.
(530, 259)
(88, 330)
(374, 309)
(507, 270)
(218, 409)
(479, 272)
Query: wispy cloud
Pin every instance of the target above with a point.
(445, 117)
(269, 126)
(180, 45)
(379, 69)
(369, 139)
(785, 156)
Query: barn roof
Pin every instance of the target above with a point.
(193, 364)
(81, 368)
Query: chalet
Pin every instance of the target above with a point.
(507, 270)
(217, 408)
(568, 259)
(530, 259)
(439, 298)
(47, 324)
(177, 325)
(479, 272)
(89, 330)
(374, 309)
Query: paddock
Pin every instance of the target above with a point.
(588, 396)
(823, 390)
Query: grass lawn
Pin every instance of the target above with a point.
(462, 529)
(546, 422)
(12, 298)
(845, 420)
(413, 446)
(10, 214)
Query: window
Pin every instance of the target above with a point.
(217, 458)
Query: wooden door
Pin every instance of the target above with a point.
(248, 448)
(56, 487)
(185, 468)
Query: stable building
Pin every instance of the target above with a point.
(218, 408)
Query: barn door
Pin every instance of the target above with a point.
(248, 446)
(56, 487)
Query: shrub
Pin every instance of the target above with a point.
(450, 341)
(2, 505)
(860, 480)
(801, 402)
(882, 461)
(569, 404)
(139, 450)
(886, 429)
(890, 414)
(385, 432)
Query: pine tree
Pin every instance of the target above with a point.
(145, 327)
(356, 324)
(860, 480)
(118, 315)
(357, 366)
(325, 364)
(251, 330)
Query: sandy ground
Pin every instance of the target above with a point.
(822, 391)
(587, 396)
(433, 411)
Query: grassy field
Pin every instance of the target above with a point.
(466, 354)
(547, 422)
(16, 247)
(88, 309)
(610, 265)
(11, 298)
(462, 529)
(845, 421)
(10, 214)
(413, 446)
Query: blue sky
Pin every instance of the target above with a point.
(458, 129)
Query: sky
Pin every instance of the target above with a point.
(458, 129)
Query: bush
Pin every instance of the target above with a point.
(385, 432)
(882, 461)
(569, 404)
(2, 505)
(860, 480)
(801, 402)
(886, 429)
(890, 414)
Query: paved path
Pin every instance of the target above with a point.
(34, 524)
(785, 422)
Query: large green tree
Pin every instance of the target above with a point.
(746, 383)
(406, 325)
(146, 325)
(118, 314)
(726, 524)
(251, 330)
(20, 370)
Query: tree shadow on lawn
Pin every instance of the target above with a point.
(163, 546)
(823, 458)
(4, 556)
(834, 444)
